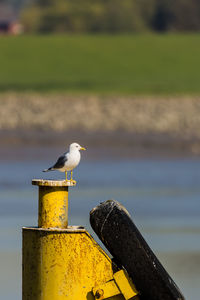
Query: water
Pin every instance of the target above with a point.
(162, 195)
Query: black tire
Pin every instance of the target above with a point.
(113, 225)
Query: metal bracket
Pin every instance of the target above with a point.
(121, 284)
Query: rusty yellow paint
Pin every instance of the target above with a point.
(106, 290)
(53, 203)
(120, 285)
(44, 182)
(63, 265)
(53, 207)
(61, 262)
(125, 284)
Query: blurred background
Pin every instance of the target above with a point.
(122, 79)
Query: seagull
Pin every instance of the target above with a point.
(68, 161)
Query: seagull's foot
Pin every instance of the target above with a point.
(73, 181)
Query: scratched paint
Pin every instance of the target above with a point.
(53, 207)
(63, 264)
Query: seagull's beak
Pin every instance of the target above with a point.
(82, 148)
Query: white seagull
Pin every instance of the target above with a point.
(68, 161)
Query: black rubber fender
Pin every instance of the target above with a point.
(115, 228)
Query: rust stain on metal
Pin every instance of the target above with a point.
(53, 206)
(61, 263)
(53, 183)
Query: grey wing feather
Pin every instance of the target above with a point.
(60, 162)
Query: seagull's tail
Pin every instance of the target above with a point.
(47, 170)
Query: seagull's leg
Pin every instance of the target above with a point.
(73, 181)
(66, 175)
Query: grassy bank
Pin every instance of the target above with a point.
(131, 64)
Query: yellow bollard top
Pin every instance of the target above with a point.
(53, 183)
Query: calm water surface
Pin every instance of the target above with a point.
(162, 195)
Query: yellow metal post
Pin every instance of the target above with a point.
(61, 262)
(53, 203)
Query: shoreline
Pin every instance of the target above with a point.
(140, 126)
(25, 143)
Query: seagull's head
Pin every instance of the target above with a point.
(75, 146)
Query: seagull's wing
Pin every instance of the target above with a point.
(61, 161)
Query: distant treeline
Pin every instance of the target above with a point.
(112, 16)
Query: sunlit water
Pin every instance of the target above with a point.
(163, 197)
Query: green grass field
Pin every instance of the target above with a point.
(123, 64)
